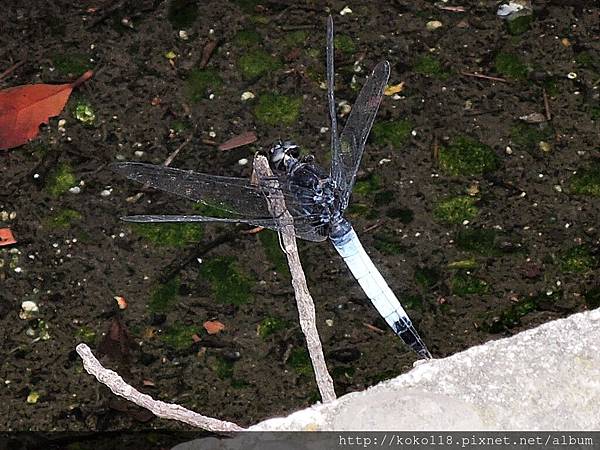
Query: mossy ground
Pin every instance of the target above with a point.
(257, 63)
(455, 210)
(60, 180)
(163, 296)
(201, 82)
(586, 181)
(465, 156)
(169, 234)
(395, 133)
(511, 66)
(229, 283)
(276, 109)
(62, 219)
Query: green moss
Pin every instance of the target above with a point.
(84, 113)
(270, 242)
(357, 209)
(455, 210)
(179, 336)
(300, 361)
(255, 64)
(431, 66)
(224, 368)
(179, 126)
(586, 182)
(383, 198)
(200, 82)
(368, 185)
(344, 44)
(595, 112)
(592, 298)
(295, 38)
(388, 243)
(405, 216)
(71, 65)
(465, 156)
(182, 13)
(463, 264)
(60, 180)
(275, 109)
(395, 133)
(86, 334)
(271, 325)
(229, 284)
(62, 219)
(412, 301)
(169, 234)
(481, 241)
(519, 25)
(427, 277)
(510, 66)
(343, 373)
(462, 283)
(247, 38)
(578, 259)
(528, 136)
(163, 296)
(511, 316)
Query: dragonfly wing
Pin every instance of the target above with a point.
(331, 87)
(303, 227)
(347, 156)
(236, 197)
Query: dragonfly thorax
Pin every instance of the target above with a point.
(315, 191)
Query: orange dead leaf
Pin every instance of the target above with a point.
(24, 108)
(121, 302)
(6, 237)
(213, 326)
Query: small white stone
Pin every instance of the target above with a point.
(36, 176)
(62, 123)
(211, 96)
(12, 215)
(465, 222)
(105, 192)
(571, 75)
(183, 35)
(383, 161)
(243, 161)
(138, 153)
(433, 25)
(509, 151)
(329, 322)
(413, 132)
(18, 270)
(345, 11)
(324, 130)
(29, 306)
(558, 188)
(212, 134)
(247, 96)
(75, 190)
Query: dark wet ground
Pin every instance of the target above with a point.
(484, 225)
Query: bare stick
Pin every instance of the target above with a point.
(547, 105)
(304, 301)
(11, 69)
(485, 77)
(161, 409)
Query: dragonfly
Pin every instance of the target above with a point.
(315, 198)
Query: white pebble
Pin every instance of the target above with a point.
(29, 306)
(183, 35)
(243, 162)
(211, 96)
(138, 153)
(75, 190)
(329, 322)
(212, 134)
(324, 130)
(247, 96)
(433, 25)
(18, 270)
(345, 11)
(509, 151)
(105, 192)
(571, 75)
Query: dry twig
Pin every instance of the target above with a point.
(485, 77)
(304, 301)
(159, 408)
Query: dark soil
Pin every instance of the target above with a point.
(524, 250)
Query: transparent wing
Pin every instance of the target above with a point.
(347, 155)
(241, 201)
(304, 227)
(335, 144)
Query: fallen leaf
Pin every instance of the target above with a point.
(533, 118)
(6, 237)
(394, 89)
(24, 108)
(243, 139)
(213, 326)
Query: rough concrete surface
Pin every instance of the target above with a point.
(547, 378)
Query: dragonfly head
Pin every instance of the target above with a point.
(282, 154)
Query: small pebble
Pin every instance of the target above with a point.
(545, 146)
(75, 190)
(139, 153)
(105, 192)
(433, 25)
(345, 11)
(247, 96)
(329, 322)
(324, 130)
(571, 75)
(243, 162)
(183, 35)
(212, 134)
(509, 151)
